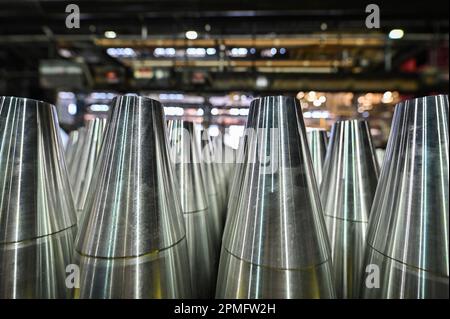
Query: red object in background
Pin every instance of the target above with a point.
(111, 77)
(409, 66)
(442, 58)
(143, 73)
(198, 77)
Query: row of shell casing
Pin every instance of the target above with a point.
(200, 165)
(324, 222)
(151, 206)
(111, 207)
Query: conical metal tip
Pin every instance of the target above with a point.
(408, 227)
(349, 183)
(72, 152)
(236, 181)
(84, 161)
(184, 141)
(317, 141)
(211, 162)
(276, 244)
(218, 149)
(230, 164)
(37, 214)
(379, 152)
(198, 218)
(71, 145)
(214, 203)
(132, 241)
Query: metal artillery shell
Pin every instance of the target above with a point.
(236, 184)
(408, 226)
(218, 149)
(85, 160)
(347, 190)
(194, 203)
(317, 141)
(213, 175)
(72, 153)
(276, 245)
(37, 214)
(380, 156)
(132, 241)
(71, 145)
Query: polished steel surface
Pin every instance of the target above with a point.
(239, 279)
(228, 163)
(347, 191)
(71, 145)
(236, 183)
(132, 240)
(37, 214)
(85, 161)
(215, 206)
(276, 244)
(199, 221)
(408, 226)
(317, 141)
(219, 155)
(216, 219)
(72, 154)
(212, 173)
(380, 155)
(229, 166)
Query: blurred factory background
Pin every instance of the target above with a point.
(206, 60)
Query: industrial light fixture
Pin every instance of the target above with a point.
(316, 114)
(173, 111)
(243, 111)
(164, 52)
(262, 82)
(191, 35)
(238, 52)
(196, 52)
(65, 53)
(110, 34)
(72, 109)
(99, 107)
(121, 52)
(317, 103)
(233, 111)
(311, 96)
(396, 34)
(387, 97)
(210, 51)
